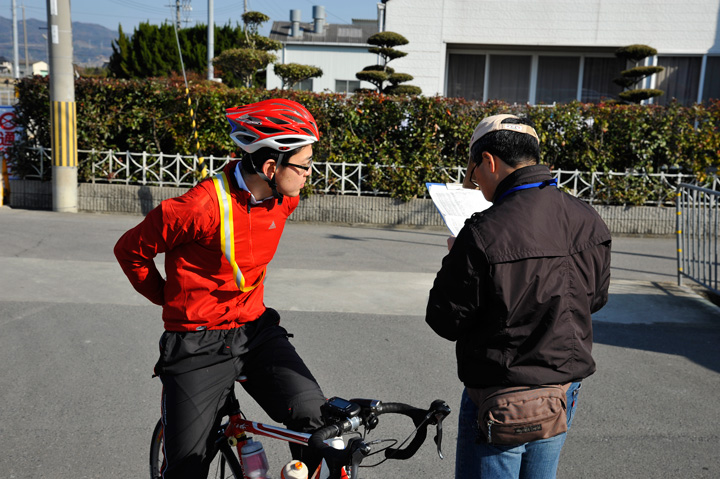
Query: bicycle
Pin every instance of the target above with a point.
(341, 417)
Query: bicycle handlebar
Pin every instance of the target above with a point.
(364, 412)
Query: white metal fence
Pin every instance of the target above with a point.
(159, 169)
(698, 227)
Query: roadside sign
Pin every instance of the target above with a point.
(8, 131)
(8, 128)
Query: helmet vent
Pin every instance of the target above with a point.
(278, 121)
(308, 131)
(288, 141)
(244, 138)
(268, 130)
(293, 118)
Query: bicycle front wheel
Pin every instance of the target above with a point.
(225, 465)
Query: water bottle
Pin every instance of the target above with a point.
(254, 460)
(294, 470)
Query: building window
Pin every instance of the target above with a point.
(549, 77)
(347, 86)
(680, 80)
(598, 76)
(557, 79)
(466, 76)
(305, 85)
(509, 78)
(711, 90)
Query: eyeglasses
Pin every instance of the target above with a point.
(302, 167)
(472, 172)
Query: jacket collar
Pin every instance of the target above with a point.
(233, 171)
(522, 176)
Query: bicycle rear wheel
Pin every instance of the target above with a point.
(225, 465)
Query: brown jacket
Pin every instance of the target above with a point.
(517, 288)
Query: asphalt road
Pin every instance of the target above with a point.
(77, 399)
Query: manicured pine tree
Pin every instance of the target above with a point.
(633, 76)
(293, 73)
(244, 66)
(379, 75)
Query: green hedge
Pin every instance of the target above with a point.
(418, 132)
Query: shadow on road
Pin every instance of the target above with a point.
(696, 343)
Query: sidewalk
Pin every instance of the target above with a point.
(78, 346)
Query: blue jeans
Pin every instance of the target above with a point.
(532, 460)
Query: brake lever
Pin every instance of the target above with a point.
(442, 410)
(438, 439)
(358, 451)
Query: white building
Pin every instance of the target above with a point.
(545, 51)
(339, 51)
(5, 67)
(37, 68)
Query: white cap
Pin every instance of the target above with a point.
(494, 123)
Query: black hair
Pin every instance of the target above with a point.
(512, 147)
(253, 162)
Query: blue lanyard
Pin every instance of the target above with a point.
(552, 182)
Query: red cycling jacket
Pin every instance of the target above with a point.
(200, 291)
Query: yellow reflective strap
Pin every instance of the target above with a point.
(226, 224)
(227, 231)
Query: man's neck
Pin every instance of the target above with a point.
(257, 186)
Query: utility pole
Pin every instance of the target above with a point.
(16, 55)
(180, 6)
(63, 120)
(210, 42)
(27, 58)
(245, 11)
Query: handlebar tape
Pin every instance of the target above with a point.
(335, 458)
(316, 439)
(417, 416)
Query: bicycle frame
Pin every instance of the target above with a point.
(343, 417)
(238, 428)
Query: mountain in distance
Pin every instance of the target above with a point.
(92, 43)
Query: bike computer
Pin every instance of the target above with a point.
(340, 408)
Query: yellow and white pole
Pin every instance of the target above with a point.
(63, 120)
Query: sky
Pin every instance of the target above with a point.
(129, 13)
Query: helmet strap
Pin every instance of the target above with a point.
(271, 182)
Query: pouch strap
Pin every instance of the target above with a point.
(479, 395)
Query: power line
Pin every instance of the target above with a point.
(140, 6)
(181, 12)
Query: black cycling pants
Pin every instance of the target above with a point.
(277, 379)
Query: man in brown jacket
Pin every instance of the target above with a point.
(516, 292)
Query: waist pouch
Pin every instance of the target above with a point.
(519, 414)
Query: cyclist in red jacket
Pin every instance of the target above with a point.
(218, 239)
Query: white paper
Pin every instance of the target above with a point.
(456, 204)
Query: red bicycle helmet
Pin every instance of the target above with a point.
(280, 124)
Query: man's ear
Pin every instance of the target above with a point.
(269, 167)
(492, 161)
